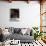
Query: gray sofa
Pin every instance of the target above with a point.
(17, 35)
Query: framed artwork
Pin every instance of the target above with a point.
(14, 14)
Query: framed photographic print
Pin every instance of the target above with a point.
(14, 14)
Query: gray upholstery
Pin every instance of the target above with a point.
(22, 38)
(17, 30)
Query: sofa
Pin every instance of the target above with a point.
(17, 34)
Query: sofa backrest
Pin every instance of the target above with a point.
(25, 31)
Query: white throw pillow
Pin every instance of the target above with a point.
(23, 31)
(5, 32)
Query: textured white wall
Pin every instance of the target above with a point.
(29, 14)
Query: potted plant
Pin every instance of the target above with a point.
(37, 33)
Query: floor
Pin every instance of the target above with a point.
(35, 43)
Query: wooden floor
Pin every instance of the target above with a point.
(35, 43)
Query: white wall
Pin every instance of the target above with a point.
(29, 14)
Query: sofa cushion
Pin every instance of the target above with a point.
(22, 38)
(17, 30)
(23, 31)
(11, 30)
